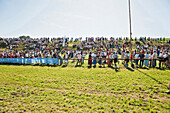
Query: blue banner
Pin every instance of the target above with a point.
(30, 60)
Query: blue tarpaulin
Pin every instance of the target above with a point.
(30, 60)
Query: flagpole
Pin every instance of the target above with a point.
(130, 27)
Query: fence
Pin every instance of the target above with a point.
(42, 60)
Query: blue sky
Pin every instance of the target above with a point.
(80, 18)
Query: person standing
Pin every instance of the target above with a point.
(146, 62)
(160, 59)
(137, 58)
(122, 55)
(141, 56)
(74, 56)
(111, 56)
(104, 57)
(83, 56)
(66, 58)
(115, 58)
(90, 59)
(154, 57)
(100, 60)
(94, 58)
(127, 56)
(150, 59)
(79, 58)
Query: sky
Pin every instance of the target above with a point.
(81, 18)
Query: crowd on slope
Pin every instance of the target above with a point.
(99, 50)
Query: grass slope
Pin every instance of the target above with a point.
(57, 89)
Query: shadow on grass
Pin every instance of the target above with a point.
(162, 69)
(159, 82)
(116, 69)
(101, 67)
(128, 68)
(79, 66)
(145, 68)
(89, 67)
(64, 66)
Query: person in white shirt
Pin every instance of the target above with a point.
(26, 55)
(48, 54)
(74, 55)
(165, 55)
(111, 56)
(127, 56)
(154, 57)
(104, 54)
(115, 58)
(137, 58)
(18, 55)
(83, 56)
(160, 59)
(66, 59)
(94, 56)
(79, 58)
(165, 58)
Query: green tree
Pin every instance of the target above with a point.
(24, 37)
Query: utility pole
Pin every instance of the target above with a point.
(130, 27)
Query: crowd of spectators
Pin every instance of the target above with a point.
(99, 50)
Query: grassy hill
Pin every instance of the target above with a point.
(79, 89)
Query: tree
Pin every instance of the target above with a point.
(24, 37)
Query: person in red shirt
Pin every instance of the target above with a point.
(143, 51)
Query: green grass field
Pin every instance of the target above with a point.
(70, 89)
